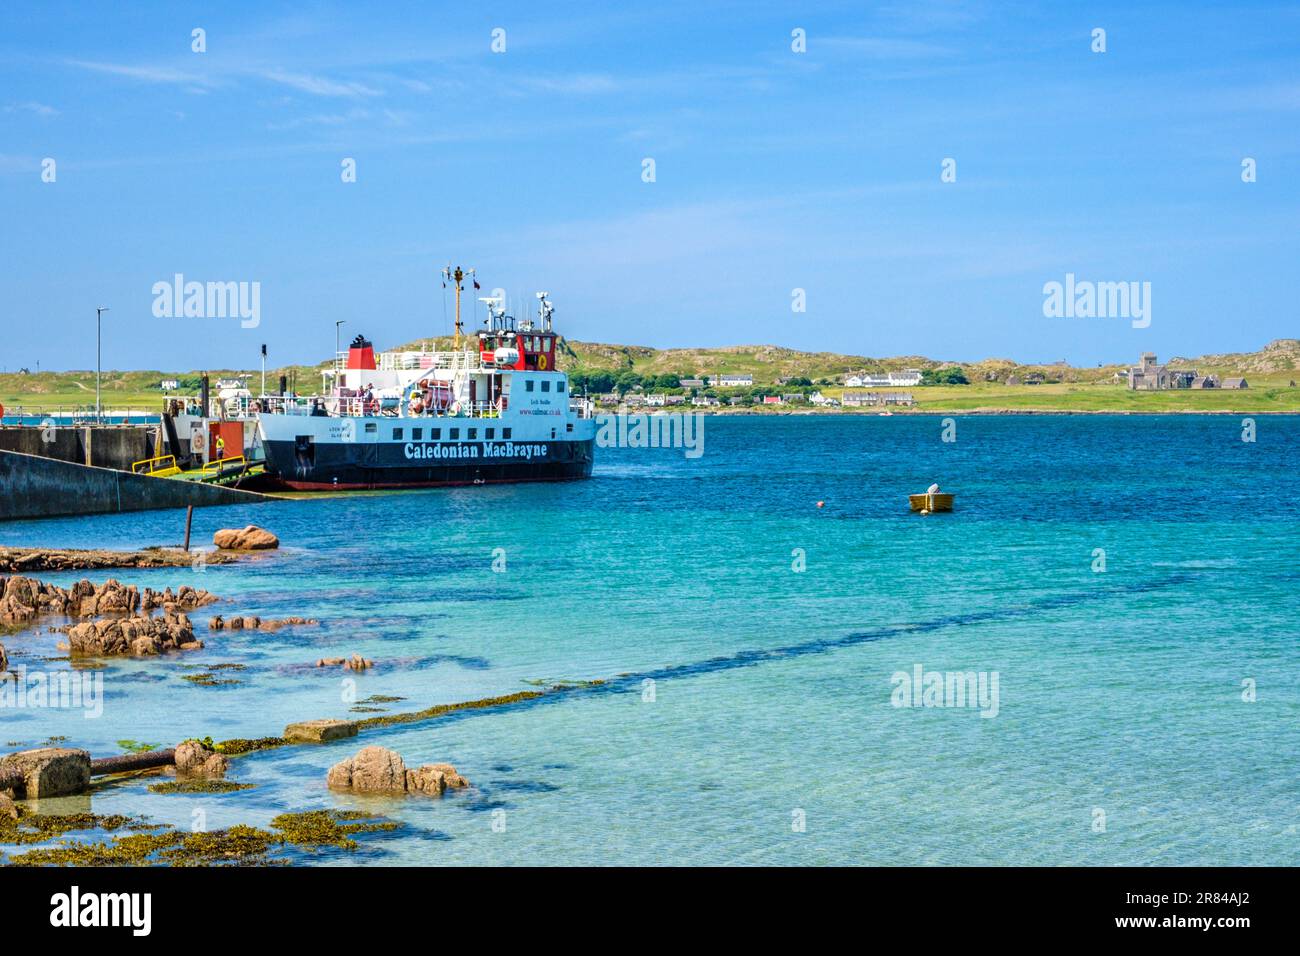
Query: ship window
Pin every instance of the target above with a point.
(568, 427)
(559, 386)
(435, 433)
(473, 433)
(453, 433)
(490, 434)
(417, 434)
(397, 434)
(546, 385)
(505, 432)
(528, 385)
(372, 428)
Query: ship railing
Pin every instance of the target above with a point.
(582, 407)
(467, 360)
(406, 361)
(214, 468)
(160, 467)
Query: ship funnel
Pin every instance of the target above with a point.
(361, 354)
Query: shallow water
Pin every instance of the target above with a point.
(1120, 692)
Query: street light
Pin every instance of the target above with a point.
(337, 326)
(99, 312)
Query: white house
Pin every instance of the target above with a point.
(735, 381)
(911, 376)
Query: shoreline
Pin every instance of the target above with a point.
(950, 411)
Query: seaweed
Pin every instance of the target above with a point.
(439, 709)
(199, 786)
(208, 679)
(136, 747)
(243, 745)
(239, 845)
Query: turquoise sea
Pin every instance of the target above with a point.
(768, 734)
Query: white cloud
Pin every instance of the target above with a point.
(147, 74)
(318, 85)
(40, 109)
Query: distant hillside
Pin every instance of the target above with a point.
(1279, 356)
(767, 363)
(1277, 363)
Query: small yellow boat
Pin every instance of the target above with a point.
(935, 502)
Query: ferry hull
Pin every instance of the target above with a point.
(340, 467)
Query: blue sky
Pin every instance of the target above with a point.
(775, 170)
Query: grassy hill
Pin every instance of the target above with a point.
(1270, 372)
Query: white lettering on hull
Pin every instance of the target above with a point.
(425, 451)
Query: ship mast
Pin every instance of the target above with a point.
(458, 276)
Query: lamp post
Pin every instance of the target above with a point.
(337, 326)
(263, 370)
(99, 312)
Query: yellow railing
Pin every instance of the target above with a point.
(160, 467)
(221, 464)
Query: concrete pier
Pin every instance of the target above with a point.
(105, 446)
(37, 487)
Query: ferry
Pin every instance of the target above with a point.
(493, 409)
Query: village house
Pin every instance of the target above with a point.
(675, 400)
(656, 401)
(705, 401)
(772, 400)
(911, 376)
(736, 381)
(693, 383)
(1235, 383)
(860, 399)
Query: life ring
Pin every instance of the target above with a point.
(541, 362)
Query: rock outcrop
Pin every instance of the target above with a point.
(354, 663)
(320, 731)
(49, 772)
(219, 623)
(135, 636)
(60, 559)
(380, 770)
(4, 659)
(23, 599)
(194, 759)
(251, 538)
